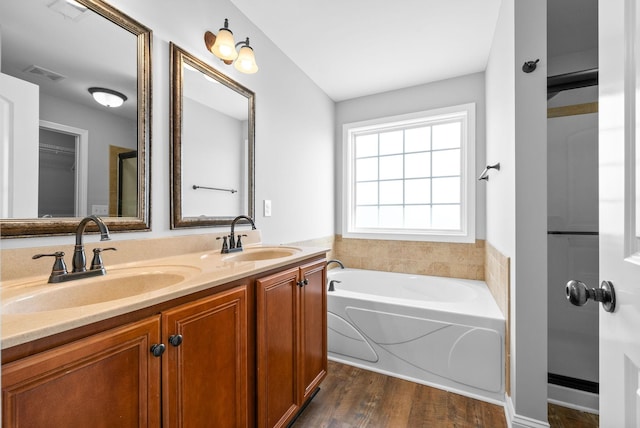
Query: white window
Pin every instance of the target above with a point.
(411, 177)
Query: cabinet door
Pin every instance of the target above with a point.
(205, 371)
(313, 328)
(106, 380)
(277, 332)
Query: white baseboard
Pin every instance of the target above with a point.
(573, 398)
(518, 421)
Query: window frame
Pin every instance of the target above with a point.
(468, 172)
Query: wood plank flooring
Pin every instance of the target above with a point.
(562, 417)
(351, 397)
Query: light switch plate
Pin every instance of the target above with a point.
(100, 209)
(267, 207)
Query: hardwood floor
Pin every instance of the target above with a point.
(351, 397)
(562, 417)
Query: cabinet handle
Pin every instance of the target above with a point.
(302, 283)
(175, 339)
(305, 281)
(158, 349)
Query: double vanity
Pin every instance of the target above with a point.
(176, 332)
(195, 339)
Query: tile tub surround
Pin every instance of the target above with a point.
(454, 260)
(497, 276)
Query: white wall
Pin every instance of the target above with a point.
(213, 159)
(516, 198)
(294, 125)
(530, 292)
(455, 91)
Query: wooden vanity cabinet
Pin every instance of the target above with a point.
(313, 329)
(248, 353)
(204, 369)
(291, 341)
(106, 380)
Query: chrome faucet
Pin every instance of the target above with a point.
(236, 245)
(59, 272)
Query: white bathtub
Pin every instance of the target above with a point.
(443, 332)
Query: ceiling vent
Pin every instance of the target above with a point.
(43, 72)
(68, 8)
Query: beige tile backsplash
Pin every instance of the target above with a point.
(497, 276)
(498, 279)
(417, 257)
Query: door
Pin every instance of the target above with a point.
(128, 184)
(204, 374)
(313, 328)
(19, 113)
(277, 344)
(56, 174)
(619, 170)
(106, 380)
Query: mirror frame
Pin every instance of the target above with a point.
(21, 228)
(178, 58)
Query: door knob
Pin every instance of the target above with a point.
(578, 294)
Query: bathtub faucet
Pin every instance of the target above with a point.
(331, 286)
(336, 261)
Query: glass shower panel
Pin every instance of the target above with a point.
(572, 209)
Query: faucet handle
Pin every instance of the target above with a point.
(59, 267)
(97, 263)
(239, 241)
(225, 245)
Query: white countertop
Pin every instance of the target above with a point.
(201, 271)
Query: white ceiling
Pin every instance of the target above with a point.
(355, 48)
(360, 47)
(349, 48)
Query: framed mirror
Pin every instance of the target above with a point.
(59, 155)
(212, 144)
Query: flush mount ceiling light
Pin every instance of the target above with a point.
(224, 47)
(108, 97)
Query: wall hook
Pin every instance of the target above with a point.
(485, 173)
(529, 66)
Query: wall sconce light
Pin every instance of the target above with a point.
(224, 47)
(108, 97)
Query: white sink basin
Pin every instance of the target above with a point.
(41, 297)
(257, 254)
